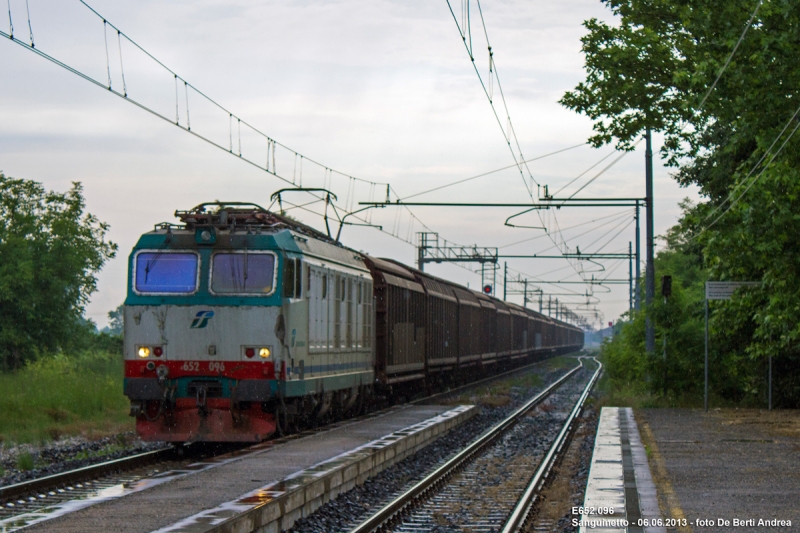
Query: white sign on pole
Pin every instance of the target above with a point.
(723, 290)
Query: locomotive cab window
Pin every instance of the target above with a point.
(166, 272)
(292, 278)
(243, 273)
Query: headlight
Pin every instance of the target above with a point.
(144, 352)
(264, 353)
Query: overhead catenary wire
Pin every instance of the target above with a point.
(271, 169)
(579, 176)
(30, 28)
(508, 131)
(615, 236)
(459, 182)
(758, 163)
(613, 215)
(614, 162)
(753, 182)
(617, 219)
(730, 56)
(468, 45)
(10, 22)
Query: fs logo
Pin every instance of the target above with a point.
(201, 319)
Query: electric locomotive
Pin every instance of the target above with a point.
(240, 323)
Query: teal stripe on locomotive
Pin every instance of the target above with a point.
(358, 365)
(281, 243)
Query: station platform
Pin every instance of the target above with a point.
(329, 461)
(734, 470)
(620, 493)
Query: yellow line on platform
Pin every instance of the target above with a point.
(668, 500)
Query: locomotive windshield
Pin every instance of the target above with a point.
(166, 272)
(243, 273)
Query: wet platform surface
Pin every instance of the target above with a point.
(620, 487)
(729, 465)
(175, 499)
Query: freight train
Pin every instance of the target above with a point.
(240, 323)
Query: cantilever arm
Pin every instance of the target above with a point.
(342, 222)
(507, 223)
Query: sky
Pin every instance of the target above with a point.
(380, 90)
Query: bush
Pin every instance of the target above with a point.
(64, 395)
(25, 461)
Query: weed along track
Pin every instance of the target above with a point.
(496, 478)
(54, 497)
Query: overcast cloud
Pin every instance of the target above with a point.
(382, 90)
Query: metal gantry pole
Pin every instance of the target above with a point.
(637, 300)
(505, 280)
(495, 266)
(420, 249)
(705, 394)
(650, 270)
(630, 277)
(525, 294)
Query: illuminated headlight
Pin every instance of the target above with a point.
(144, 352)
(264, 353)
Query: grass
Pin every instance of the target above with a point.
(62, 395)
(620, 393)
(561, 362)
(25, 461)
(498, 394)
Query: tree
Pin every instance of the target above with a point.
(729, 121)
(116, 321)
(50, 252)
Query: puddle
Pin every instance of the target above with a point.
(82, 496)
(202, 521)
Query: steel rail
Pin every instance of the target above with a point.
(395, 508)
(501, 375)
(80, 474)
(522, 511)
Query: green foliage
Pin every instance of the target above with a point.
(652, 68)
(116, 322)
(25, 461)
(655, 63)
(49, 254)
(738, 371)
(64, 395)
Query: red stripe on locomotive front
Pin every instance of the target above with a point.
(225, 369)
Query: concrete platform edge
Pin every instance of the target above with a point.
(620, 478)
(277, 506)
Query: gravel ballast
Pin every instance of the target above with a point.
(68, 454)
(350, 508)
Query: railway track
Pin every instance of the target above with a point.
(43, 485)
(493, 482)
(67, 491)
